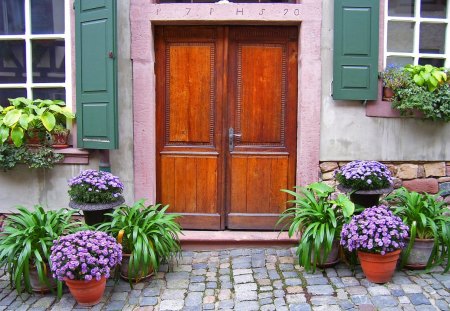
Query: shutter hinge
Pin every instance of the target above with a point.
(331, 88)
(73, 5)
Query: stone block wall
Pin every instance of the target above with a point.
(430, 177)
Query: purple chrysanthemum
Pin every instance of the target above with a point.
(375, 230)
(364, 175)
(84, 255)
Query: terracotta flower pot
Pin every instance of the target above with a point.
(87, 293)
(379, 268)
(420, 253)
(124, 270)
(388, 93)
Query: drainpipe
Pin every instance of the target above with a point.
(104, 164)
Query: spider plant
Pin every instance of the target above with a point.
(26, 241)
(428, 218)
(147, 233)
(318, 219)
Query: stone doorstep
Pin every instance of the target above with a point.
(213, 240)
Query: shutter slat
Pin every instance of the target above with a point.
(355, 64)
(96, 74)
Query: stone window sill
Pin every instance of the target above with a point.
(74, 155)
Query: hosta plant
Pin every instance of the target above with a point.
(26, 241)
(318, 219)
(25, 114)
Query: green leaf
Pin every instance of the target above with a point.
(4, 133)
(17, 136)
(48, 120)
(419, 80)
(23, 121)
(12, 117)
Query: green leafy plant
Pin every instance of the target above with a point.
(40, 157)
(428, 218)
(26, 241)
(318, 219)
(24, 114)
(427, 75)
(150, 235)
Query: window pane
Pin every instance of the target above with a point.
(401, 8)
(48, 61)
(50, 93)
(433, 8)
(47, 16)
(12, 61)
(399, 61)
(400, 37)
(10, 93)
(12, 17)
(432, 61)
(432, 38)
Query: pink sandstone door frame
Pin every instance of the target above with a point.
(144, 15)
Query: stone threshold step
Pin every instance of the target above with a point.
(210, 240)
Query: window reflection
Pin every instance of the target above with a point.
(400, 37)
(432, 38)
(12, 61)
(404, 8)
(12, 17)
(10, 93)
(432, 61)
(48, 61)
(433, 8)
(49, 93)
(47, 16)
(399, 60)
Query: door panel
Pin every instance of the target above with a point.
(211, 79)
(262, 99)
(189, 87)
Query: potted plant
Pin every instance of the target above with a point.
(32, 116)
(148, 236)
(393, 78)
(95, 193)
(25, 246)
(429, 221)
(378, 237)
(60, 136)
(318, 219)
(84, 260)
(365, 181)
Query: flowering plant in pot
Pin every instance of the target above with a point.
(148, 235)
(378, 236)
(95, 193)
(25, 246)
(365, 181)
(429, 221)
(319, 220)
(84, 260)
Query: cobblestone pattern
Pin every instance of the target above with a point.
(254, 279)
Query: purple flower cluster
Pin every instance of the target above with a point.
(93, 186)
(364, 175)
(84, 255)
(375, 230)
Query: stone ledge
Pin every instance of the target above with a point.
(74, 155)
(207, 240)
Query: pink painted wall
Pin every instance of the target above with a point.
(144, 14)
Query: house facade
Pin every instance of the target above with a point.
(214, 107)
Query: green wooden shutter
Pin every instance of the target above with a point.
(96, 74)
(355, 68)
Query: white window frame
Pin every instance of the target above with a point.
(417, 20)
(28, 37)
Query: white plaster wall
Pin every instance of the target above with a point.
(347, 134)
(24, 186)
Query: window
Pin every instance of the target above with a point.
(35, 50)
(416, 32)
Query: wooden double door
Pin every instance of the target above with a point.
(226, 101)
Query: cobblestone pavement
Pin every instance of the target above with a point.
(254, 279)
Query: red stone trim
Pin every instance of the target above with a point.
(74, 155)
